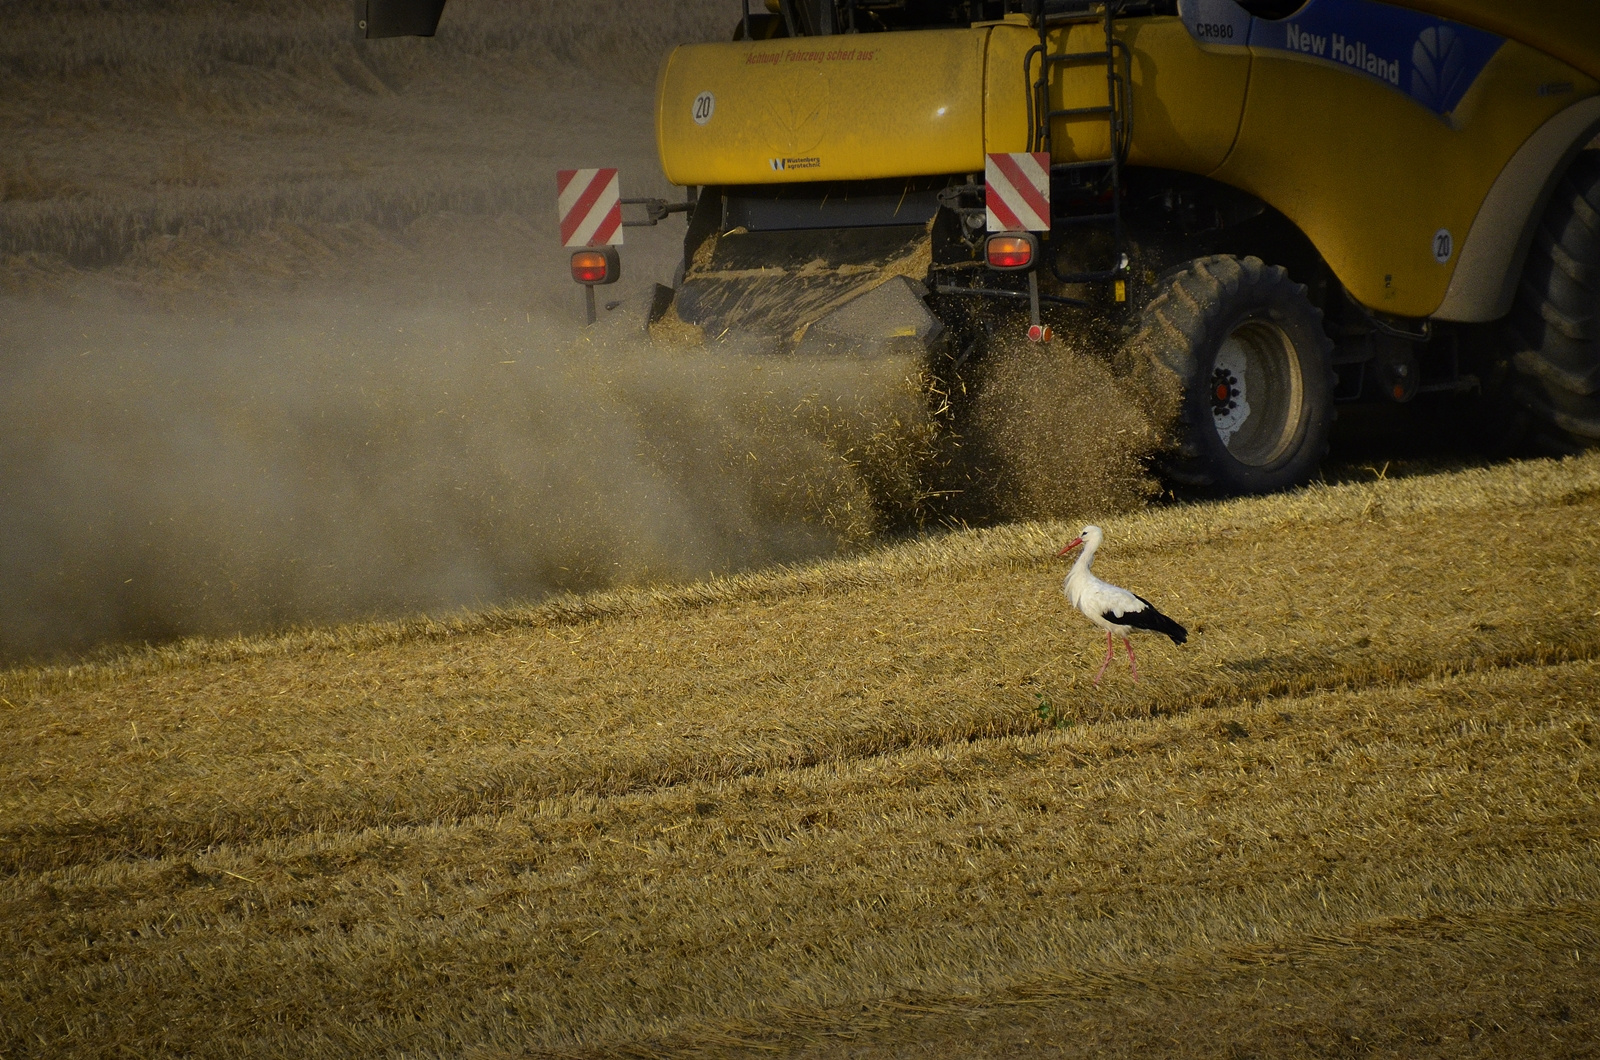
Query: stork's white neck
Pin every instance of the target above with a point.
(1085, 558)
(1080, 569)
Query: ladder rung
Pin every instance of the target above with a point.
(1112, 113)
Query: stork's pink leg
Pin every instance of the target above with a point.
(1110, 654)
(1133, 667)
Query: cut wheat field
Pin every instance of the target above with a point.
(872, 807)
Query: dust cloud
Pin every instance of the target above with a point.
(171, 475)
(287, 337)
(1063, 436)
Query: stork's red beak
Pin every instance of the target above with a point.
(1075, 543)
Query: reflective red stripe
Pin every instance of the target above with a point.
(608, 227)
(580, 209)
(1003, 213)
(1023, 186)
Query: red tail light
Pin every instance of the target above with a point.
(1011, 251)
(591, 266)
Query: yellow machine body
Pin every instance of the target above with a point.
(925, 103)
(854, 107)
(1382, 187)
(1387, 189)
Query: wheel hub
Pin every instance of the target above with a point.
(1229, 408)
(1256, 394)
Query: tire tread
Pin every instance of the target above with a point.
(1175, 328)
(1553, 332)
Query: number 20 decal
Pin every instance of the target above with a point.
(1443, 246)
(704, 104)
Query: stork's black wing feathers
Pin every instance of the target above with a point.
(1150, 620)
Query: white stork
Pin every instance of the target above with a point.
(1112, 608)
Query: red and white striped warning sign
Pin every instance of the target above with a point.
(1017, 190)
(590, 202)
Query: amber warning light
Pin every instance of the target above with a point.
(596, 265)
(593, 266)
(1011, 251)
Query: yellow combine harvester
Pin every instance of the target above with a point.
(1281, 204)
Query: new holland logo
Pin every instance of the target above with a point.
(781, 164)
(1374, 39)
(1437, 69)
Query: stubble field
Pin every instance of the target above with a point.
(289, 355)
(867, 808)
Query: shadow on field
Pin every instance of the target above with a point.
(1429, 435)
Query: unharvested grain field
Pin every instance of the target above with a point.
(871, 807)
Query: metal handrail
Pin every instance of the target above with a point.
(1117, 111)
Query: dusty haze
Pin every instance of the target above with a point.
(287, 335)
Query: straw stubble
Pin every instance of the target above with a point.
(822, 809)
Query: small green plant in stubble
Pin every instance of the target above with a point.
(1049, 713)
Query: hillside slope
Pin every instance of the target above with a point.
(872, 807)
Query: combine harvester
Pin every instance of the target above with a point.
(1274, 205)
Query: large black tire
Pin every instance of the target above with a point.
(1555, 323)
(1243, 355)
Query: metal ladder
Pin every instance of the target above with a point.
(1106, 174)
